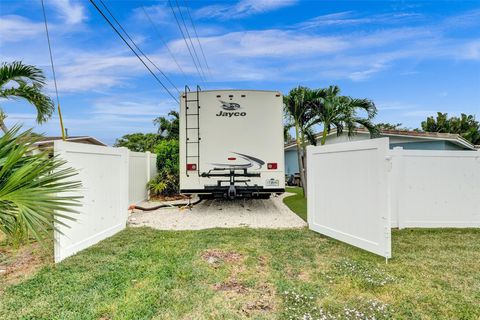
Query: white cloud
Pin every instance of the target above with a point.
(152, 108)
(472, 50)
(339, 18)
(72, 11)
(242, 8)
(14, 28)
(350, 18)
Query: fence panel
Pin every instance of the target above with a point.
(438, 188)
(138, 176)
(348, 193)
(153, 165)
(103, 172)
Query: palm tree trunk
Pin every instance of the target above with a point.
(304, 158)
(324, 134)
(299, 157)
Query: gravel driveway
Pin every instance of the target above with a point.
(219, 213)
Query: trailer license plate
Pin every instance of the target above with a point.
(272, 182)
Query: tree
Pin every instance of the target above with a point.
(342, 112)
(139, 142)
(389, 126)
(298, 112)
(25, 82)
(168, 127)
(465, 125)
(31, 188)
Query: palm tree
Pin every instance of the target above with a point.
(168, 128)
(342, 112)
(26, 82)
(298, 111)
(31, 188)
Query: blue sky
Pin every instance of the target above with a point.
(412, 58)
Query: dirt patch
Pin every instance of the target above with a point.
(18, 264)
(257, 299)
(215, 257)
(232, 285)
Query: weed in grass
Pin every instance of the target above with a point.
(368, 275)
(370, 310)
(303, 306)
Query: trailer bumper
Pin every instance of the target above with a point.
(240, 191)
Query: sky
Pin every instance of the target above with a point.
(412, 58)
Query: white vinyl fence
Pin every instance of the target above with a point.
(348, 193)
(142, 168)
(107, 175)
(436, 188)
(357, 191)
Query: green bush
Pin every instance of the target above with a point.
(166, 182)
(167, 152)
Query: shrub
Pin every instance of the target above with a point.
(31, 188)
(166, 182)
(167, 156)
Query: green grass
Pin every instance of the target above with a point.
(141, 273)
(297, 203)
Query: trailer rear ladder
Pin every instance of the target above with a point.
(192, 125)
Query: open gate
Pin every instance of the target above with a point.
(348, 193)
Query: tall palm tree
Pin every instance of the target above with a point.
(342, 112)
(20, 81)
(168, 127)
(298, 111)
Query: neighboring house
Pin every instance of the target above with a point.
(46, 143)
(398, 138)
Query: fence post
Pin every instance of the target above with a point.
(148, 156)
(397, 185)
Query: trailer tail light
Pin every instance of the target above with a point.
(232, 158)
(272, 166)
(191, 167)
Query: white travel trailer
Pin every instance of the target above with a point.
(231, 143)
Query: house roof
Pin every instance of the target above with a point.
(452, 137)
(46, 141)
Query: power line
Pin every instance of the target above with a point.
(190, 38)
(163, 41)
(198, 39)
(136, 46)
(185, 39)
(53, 70)
(136, 54)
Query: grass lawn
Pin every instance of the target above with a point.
(141, 273)
(297, 203)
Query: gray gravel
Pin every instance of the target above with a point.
(219, 213)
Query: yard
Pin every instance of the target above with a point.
(297, 202)
(239, 273)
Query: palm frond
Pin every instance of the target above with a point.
(35, 190)
(34, 95)
(19, 72)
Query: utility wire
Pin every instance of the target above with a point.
(185, 39)
(198, 39)
(136, 54)
(53, 71)
(136, 46)
(190, 38)
(163, 41)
